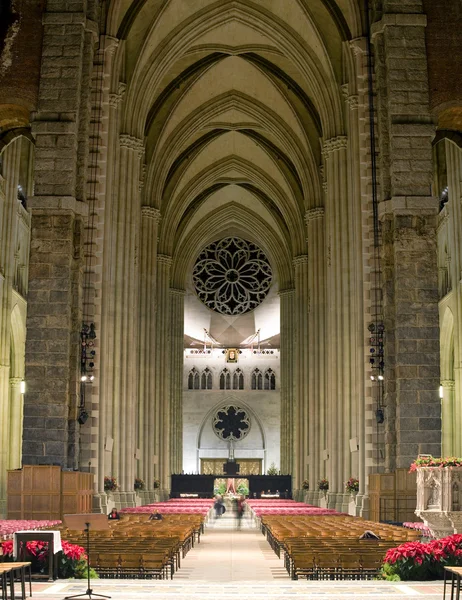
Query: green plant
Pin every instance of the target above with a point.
(306, 485)
(272, 469)
(156, 484)
(220, 489)
(242, 489)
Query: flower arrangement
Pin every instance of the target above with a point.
(352, 485)
(323, 485)
(110, 484)
(429, 461)
(139, 484)
(305, 485)
(419, 562)
(73, 562)
(156, 484)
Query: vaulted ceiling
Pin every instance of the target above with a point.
(233, 99)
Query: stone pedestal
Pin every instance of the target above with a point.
(439, 499)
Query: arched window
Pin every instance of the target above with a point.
(238, 380)
(193, 379)
(225, 380)
(270, 380)
(257, 380)
(206, 379)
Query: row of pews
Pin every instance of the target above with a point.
(329, 547)
(135, 547)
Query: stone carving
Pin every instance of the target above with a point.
(231, 423)
(333, 144)
(439, 499)
(232, 276)
(314, 213)
(151, 213)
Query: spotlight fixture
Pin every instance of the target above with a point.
(83, 417)
(379, 416)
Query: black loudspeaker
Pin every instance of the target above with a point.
(379, 416)
(83, 416)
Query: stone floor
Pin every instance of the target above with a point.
(232, 563)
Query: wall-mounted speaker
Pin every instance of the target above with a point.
(379, 416)
(83, 416)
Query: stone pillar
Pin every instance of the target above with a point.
(287, 380)
(8, 207)
(124, 326)
(408, 214)
(55, 272)
(454, 208)
(15, 423)
(449, 426)
(301, 413)
(148, 430)
(176, 379)
(162, 397)
(342, 318)
(316, 343)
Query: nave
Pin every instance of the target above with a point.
(235, 562)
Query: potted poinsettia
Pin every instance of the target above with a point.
(306, 484)
(156, 484)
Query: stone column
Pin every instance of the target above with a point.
(176, 379)
(124, 327)
(408, 214)
(449, 426)
(162, 397)
(454, 171)
(148, 430)
(8, 205)
(316, 342)
(15, 423)
(302, 408)
(287, 298)
(342, 317)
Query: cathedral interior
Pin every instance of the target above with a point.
(230, 216)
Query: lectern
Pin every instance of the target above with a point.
(96, 522)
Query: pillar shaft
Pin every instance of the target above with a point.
(148, 431)
(287, 380)
(162, 397)
(176, 378)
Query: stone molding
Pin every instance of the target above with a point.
(163, 259)
(443, 218)
(116, 97)
(177, 292)
(57, 203)
(331, 145)
(359, 46)
(132, 143)
(149, 212)
(449, 384)
(409, 205)
(314, 213)
(287, 292)
(302, 259)
(398, 20)
(15, 381)
(64, 18)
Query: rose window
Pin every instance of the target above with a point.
(231, 423)
(232, 276)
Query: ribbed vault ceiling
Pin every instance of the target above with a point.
(233, 99)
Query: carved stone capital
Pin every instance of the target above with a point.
(287, 292)
(302, 259)
(163, 259)
(177, 292)
(448, 384)
(313, 214)
(149, 212)
(334, 144)
(116, 98)
(131, 142)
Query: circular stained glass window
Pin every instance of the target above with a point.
(231, 423)
(232, 276)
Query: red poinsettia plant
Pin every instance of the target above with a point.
(429, 461)
(73, 561)
(418, 561)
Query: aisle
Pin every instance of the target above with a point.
(230, 554)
